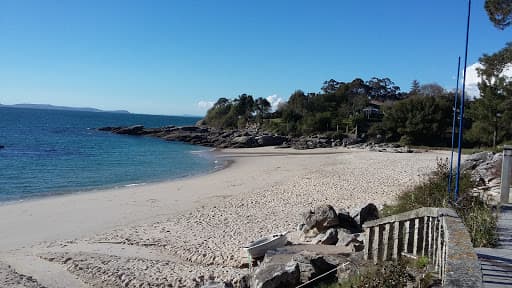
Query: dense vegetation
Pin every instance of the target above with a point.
(377, 107)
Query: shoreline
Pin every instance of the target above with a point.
(196, 226)
(70, 191)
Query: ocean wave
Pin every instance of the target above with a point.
(133, 184)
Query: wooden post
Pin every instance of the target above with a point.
(367, 243)
(434, 241)
(406, 236)
(424, 244)
(385, 239)
(429, 244)
(375, 245)
(396, 229)
(439, 248)
(415, 241)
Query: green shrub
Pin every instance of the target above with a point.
(476, 215)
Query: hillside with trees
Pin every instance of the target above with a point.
(377, 109)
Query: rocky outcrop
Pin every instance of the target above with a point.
(325, 226)
(485, 169)
(382, 147)
(205, 136)
(249, 138)
(2, 146)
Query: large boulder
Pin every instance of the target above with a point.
(276, 275)
(312, 265)
(368, 213)
(243, 142)
(2, 146)
(348, 222)
(473, 160)
(322, 218)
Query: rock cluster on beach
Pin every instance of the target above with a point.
(249, 138)
(293, 265)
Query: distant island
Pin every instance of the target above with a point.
(52, 107)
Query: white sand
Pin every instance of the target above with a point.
(179, 232)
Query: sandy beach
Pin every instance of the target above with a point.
(180, 232)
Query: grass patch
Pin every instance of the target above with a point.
(388, 275)
(477, 216)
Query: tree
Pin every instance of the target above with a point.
(262, 108)
(419, 120)
(415, 88)
(491, 113)
(431, 89)
(382, 89)
(499, 12)
(330, 86)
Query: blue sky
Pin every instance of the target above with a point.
(165, 57)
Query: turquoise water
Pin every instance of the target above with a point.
(49, 152)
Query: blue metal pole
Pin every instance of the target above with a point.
(461, 122)
(454, 124)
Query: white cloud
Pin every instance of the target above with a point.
(274, 101)
(472, 79)
(205, 105)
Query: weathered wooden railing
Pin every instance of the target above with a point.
(436, 233)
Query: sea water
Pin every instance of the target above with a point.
(49, 152)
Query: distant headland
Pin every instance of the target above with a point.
(53, 107)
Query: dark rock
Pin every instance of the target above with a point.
(322, 218)
(312, 265)
(270, 140)
(190, 128)
(330, 237)
(368, 213)
(348, 222)
(132, 130)
(2, 146)
(108, 128)
(275, 275)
